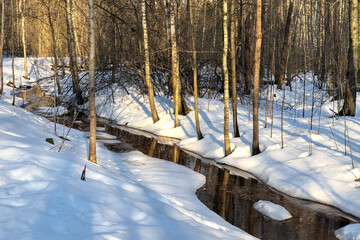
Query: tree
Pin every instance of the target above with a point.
(72, 52)
(247, 57)
(175, 75)
(13, 49)
(226, 79)
(194, 67)
(257, 57)
(54, 47)
(2, 45)
(147, 64)
(92, 143)
(279, 74)
(22, 10)
(349, 107)
(233, 69)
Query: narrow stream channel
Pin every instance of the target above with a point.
(229, 192)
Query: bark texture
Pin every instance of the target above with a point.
(194, 67)
(257, 57)
(349, 107)
(175, 75)
(147, 64)
(72, 53)
(92, 143)
(2, 45)
(233, 69)
(279, 74)
(226, 79)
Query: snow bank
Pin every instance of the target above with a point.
(349, 232)
(272, 210)
(126, 196)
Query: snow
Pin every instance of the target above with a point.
(349, 232)
(326, 175)
(272, 210)
(125, 196)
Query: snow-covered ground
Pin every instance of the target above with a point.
(325, 176)
(125, 196)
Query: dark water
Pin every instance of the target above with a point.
(229, 192)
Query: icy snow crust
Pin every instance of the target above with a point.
(272, 210)
(126, 196)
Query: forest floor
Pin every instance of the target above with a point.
(43, 189)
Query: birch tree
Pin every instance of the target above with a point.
(257, 57)
(72, 52)
(175, 75)
(147, 64)
(92, 142)
(226, 79)
(194, 67)
(23, 35)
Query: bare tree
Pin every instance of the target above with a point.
(23, 35)
(349, 107)
(233, 69)
(257, 58)
(54, 47)
(194, 66)
(13, 49)
(279, 77)
(147, 64)
(92, 107)
(175, 75)
(2, 45)
(226, 79)
(72, 52)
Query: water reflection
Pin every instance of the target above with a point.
(232, 197)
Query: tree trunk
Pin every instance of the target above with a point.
(13, 49)
(194, 66)
(226, 79)
(247, 62)
(280, 71)
(72, 53)
(204, 26)
(174, 63)
(233, 69)
(2, 45)
(22, 9)
(215, 24)
(92, 108)
(257, 57)
(54, 49)
(147, 64)
(349, 107)
(323, 49)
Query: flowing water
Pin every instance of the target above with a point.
(229, 192)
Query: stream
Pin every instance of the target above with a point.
(229, 192)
